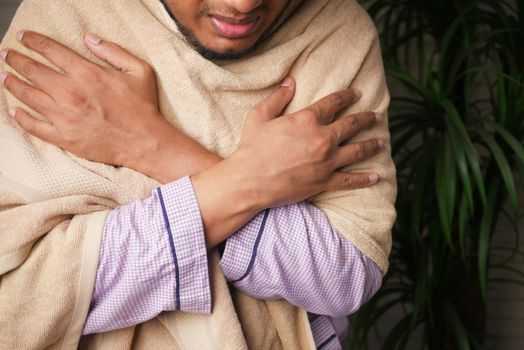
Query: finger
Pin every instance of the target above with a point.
(354, 153)
(114, 55)
(40, 75)
(326, 108)
(347, 181)
(273, 106)
(349, 126)
(35, 127)
(29, 95)
(56, 53)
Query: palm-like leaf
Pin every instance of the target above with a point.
(457, 125)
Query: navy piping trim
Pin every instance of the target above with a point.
(173, 251)
(255, 247)
(327, 341)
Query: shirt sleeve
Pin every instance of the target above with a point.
(153, 259)
(293, 253)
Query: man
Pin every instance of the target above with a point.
(149, 256)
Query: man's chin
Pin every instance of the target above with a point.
(211, 53)
(224, 55)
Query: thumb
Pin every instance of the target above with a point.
(273, 106)
(114, 54)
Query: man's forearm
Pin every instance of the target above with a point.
(152, 259)
(292, 252)
(225, 204)
(171, 155)
(153, 256)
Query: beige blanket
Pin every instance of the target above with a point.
(53, 205)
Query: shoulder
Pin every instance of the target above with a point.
(343, 28)
(355, 21)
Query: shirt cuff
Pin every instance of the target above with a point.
(325, 334)
(241, 248)
(184, 225)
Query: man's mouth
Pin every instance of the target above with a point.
(234, 28)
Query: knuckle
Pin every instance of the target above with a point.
(25, 94)
(348, 181)
(376, 145)
(29, 68)
(371, 117)
(333, 136)
(43, 44)
(310, 115)
(354, 122)
(321, 147)
(337, 100)
(361, 150)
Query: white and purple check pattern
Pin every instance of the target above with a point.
(153, 259)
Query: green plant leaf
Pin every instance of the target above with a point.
(469, 149)
(410, 82)
(502, 161)
(463, 218)
(515, 145)
(462, 166)
(445, 187)
(484, 235)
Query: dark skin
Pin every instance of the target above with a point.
(94, 121)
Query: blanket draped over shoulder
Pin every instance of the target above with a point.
(53, 205)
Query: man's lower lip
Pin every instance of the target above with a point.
(233, 30)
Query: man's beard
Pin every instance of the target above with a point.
(211, 54)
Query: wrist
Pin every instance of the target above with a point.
(227, 182)
(167, 154)
(141, 154)
(227, 198)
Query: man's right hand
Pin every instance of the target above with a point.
(286, 159)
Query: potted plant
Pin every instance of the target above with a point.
(456, 71)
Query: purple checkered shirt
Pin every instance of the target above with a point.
(153, 259)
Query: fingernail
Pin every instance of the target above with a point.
(380, 143)
(3, 54)
(20, 35)
(373, 178)
(379, 117)
(12, 112)
(93, 39)
(287, 82)
(3, 77)
(358, 93)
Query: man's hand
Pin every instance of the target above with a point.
(85, 102)
(285, 159)
(296, 156)
(101, 114)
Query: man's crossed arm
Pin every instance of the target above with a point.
(300, 153)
